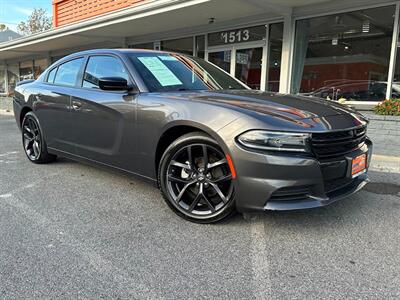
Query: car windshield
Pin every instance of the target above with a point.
(166, 72)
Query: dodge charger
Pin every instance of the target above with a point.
(211, 144)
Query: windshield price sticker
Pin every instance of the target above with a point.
(236, 36)
(160, 71)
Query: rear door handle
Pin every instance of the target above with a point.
(76, 105)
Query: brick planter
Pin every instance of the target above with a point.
(385, 133)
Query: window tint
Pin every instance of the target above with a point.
(103, 66)
(68, 72)
(52, 74)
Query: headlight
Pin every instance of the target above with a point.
(275, 141)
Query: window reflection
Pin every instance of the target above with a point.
(344, 56)
(274, 56)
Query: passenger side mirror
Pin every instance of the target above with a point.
(114, 84)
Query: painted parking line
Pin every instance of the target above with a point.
(261, 281)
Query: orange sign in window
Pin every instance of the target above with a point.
(358, 165)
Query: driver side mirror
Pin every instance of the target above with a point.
(114, 84)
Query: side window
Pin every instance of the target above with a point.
(52, 74)
(68, 72)
(102, 66)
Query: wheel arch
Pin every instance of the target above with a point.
(24, 111)
(177, 129)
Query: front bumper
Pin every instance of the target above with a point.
(287, 182)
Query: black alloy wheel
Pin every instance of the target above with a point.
(195, 179)
(34, 144)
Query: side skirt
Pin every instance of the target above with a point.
(95, 163)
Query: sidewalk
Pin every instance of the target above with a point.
(6, 105)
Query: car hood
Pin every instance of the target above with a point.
(274, 104)
(291, 111)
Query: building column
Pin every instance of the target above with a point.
(393, 54)
(124, 42)
(6, 78)
(48, 58)
(287, 49)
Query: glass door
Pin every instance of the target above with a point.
(221, 58)
(242, 61)
(248, 65)
(251, 54)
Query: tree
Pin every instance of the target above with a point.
(3, 27)
(38, 21)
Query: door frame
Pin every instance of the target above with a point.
(247, 45)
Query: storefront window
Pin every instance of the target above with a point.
(344, 56)
(13, 77)
(39, 66)
(148, 46)
(184, 45)
(396, 77)
(26, 70)
(56, 58)
(274, 56)
(200, 46)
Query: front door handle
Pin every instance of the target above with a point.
(76, 105)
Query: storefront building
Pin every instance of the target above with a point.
(340, 50)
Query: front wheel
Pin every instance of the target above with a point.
(33, 141)
(195, 179)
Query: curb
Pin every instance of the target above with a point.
(383, 163)
(6, 112)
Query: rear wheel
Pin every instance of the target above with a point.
(195, 179)
(33, 141)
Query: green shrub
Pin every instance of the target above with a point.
(390, 107)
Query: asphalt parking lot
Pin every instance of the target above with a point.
(69, 230)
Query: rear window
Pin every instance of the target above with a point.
(52, 75)
(67, 73)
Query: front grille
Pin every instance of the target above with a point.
(338, 143)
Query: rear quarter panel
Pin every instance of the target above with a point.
(23, 99)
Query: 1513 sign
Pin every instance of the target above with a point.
(236, 36)
(242, 35)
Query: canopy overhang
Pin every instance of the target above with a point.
(150, 18)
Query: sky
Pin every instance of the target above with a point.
(14, 11)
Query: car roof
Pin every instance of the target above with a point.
(114, 51)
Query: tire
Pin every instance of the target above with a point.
(195, 179)
(33, 140)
